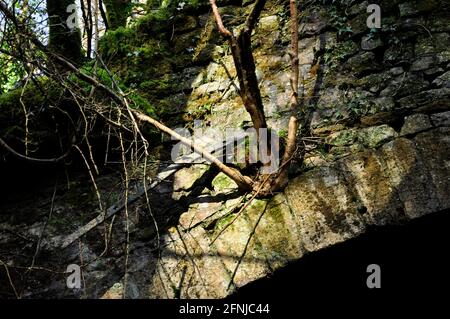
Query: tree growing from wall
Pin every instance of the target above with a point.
(241, 48)
(129, 118)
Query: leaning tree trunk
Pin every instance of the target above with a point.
(249, 90)
(272, 182)
(117, 13)
(293, 126)
(63, 39)
(245, 64)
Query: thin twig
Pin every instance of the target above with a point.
(10, 279)
(246, 246)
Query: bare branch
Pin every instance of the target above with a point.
(242, 181)
(32, 159)
(293, 121)
(218, 18)
(254, 15)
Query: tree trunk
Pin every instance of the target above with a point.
(117, 13)
(95, 28)
(291, 145)
(250, 93)
(245, 64)
(63, 39)
(103, 14)
(86, 13)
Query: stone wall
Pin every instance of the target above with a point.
(378, 102)
(358, 83)
(379, 105)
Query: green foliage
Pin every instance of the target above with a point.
(334, 56)
(117, 42)
(31, 96)
(137, 100)
(339, 21)
(283, 133)
(117, 12)
(9, 75)
(141, 103)
(101, 74)
(108, 79)
(357, 105)
(10, 70)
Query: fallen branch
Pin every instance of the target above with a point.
(65, 242)
(32, 159)
(111, 211)
(244, 182)
(9, 278)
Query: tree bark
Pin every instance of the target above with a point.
(62, 39)
(87, 18)
(103, 14)
(117, 13)
(249, 89)
(245, 63)
(291, 144)
(95, 28)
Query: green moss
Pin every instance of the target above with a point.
(376, 135)
(223, 182)
(275, 212)
(144, 56)
(155, 22)
(117, 12)
(343, 138)
(223, 222)
(343, 50)
(11, 112)
(159, 86)
(141, 103)
(119, 41)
